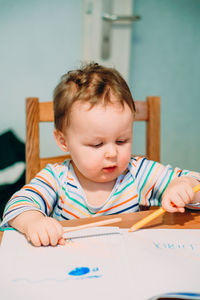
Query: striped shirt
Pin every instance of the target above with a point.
(56, 191)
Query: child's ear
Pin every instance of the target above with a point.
(60, 140)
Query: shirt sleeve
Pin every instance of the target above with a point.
(40, 194)
(152, 178)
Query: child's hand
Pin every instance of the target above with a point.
(178, 193)
(39, 229)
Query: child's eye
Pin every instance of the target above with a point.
(97, 145)
(120, 142)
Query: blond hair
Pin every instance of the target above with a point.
(92, 83)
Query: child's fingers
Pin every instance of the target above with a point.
(185, 196)
(178, 201)
(167, 205)
(179, 192)
(47, 232)
(181, 209)
(58, 227)
(190, 193)
(61, 241)
(56, 232)
(53, 236)
(34, 239)
(175, 206)
(173, 203)
(44, 238)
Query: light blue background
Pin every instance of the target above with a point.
(166, 62)
(41, 39)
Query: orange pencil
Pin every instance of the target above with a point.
(154, 215)
(196, 188)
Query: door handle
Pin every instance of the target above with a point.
(119, 18)
(110, 20)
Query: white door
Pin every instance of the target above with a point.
(107, 28)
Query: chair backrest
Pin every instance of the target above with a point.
(36, 112)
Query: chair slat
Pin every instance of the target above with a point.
(141, 111)
(46, 112)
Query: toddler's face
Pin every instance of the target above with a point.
(99, 140)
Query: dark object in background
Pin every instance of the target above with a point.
(12, 150)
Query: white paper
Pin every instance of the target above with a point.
(102, 263)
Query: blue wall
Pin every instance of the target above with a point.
(166, 62)
(39, 41)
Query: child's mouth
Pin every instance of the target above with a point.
(109, 169)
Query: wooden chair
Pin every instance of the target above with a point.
(36, 112)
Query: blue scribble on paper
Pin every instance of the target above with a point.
(79, 271)
(84, 272)
(177, 246)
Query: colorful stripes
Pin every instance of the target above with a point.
(114, 206)
(56, 191)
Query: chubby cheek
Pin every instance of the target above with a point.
(124, 161)
(89, 161)
(124, 158)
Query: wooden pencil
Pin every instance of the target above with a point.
(196, 188)
(147, 219)
(93, 224)
(154, 215)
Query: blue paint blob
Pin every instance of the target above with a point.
(79, 271)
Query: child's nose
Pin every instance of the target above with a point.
(111, 151)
